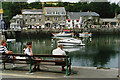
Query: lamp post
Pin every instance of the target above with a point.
(1, 12)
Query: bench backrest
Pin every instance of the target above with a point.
(38, 55)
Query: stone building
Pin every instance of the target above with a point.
(54, 16)
(33, 18)
(109, 22)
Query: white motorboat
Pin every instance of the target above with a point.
(85, 34)
(11, 40)
(73, 49)
(60, 38)
(62, 34)
(71, 42)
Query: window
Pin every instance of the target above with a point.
(39, 20)
(32, 20)
(26, 16)
(77, 20)
(68, 20)
(48, 12)
(57, 12)
(26, 20)
(55, 18)
(17, 22)
(53, 12)
(35, 15)
(63, 13)
(48, 18)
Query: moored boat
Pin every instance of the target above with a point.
(85, 34)
(63, 33)
(11, 40)
(71, 42)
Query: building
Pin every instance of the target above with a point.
(118, 17)
(118, 3)
(55, 16)
(81, 19)
(33, 18)
(17, 22)
(109, 22)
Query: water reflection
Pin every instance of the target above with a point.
(98, 51)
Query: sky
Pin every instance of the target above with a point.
(112, 1)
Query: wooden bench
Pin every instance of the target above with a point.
(45, 60)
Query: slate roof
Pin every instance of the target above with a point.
(55, 9)
(77, 15)
(32, 11)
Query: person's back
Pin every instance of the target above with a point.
(59, 51)
(3, 49)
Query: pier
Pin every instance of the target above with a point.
(54, 72)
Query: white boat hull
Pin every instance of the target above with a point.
(85, 34)
(71, 44)
(62, 35)
(11, 40)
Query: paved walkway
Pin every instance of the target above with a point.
(54, 72)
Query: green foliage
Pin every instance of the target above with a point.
(102, 68)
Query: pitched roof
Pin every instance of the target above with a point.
(18, 16)
(32, 11)
(77, 15)
(54, 9)
(118, 16)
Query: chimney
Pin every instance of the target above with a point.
(115, 15)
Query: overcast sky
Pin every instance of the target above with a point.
(116, 1)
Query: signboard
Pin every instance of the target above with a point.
(1, 10)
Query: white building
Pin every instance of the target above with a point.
(33, 18)
(118, 17)
(110, 22)
(16, 22)
(80, 19)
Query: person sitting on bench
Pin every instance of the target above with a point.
(4, 50)
(59, 51)
(29, 52)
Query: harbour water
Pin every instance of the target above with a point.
(99, 51)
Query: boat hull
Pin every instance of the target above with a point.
(62, 35)
(85, 34)
(71, 44)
